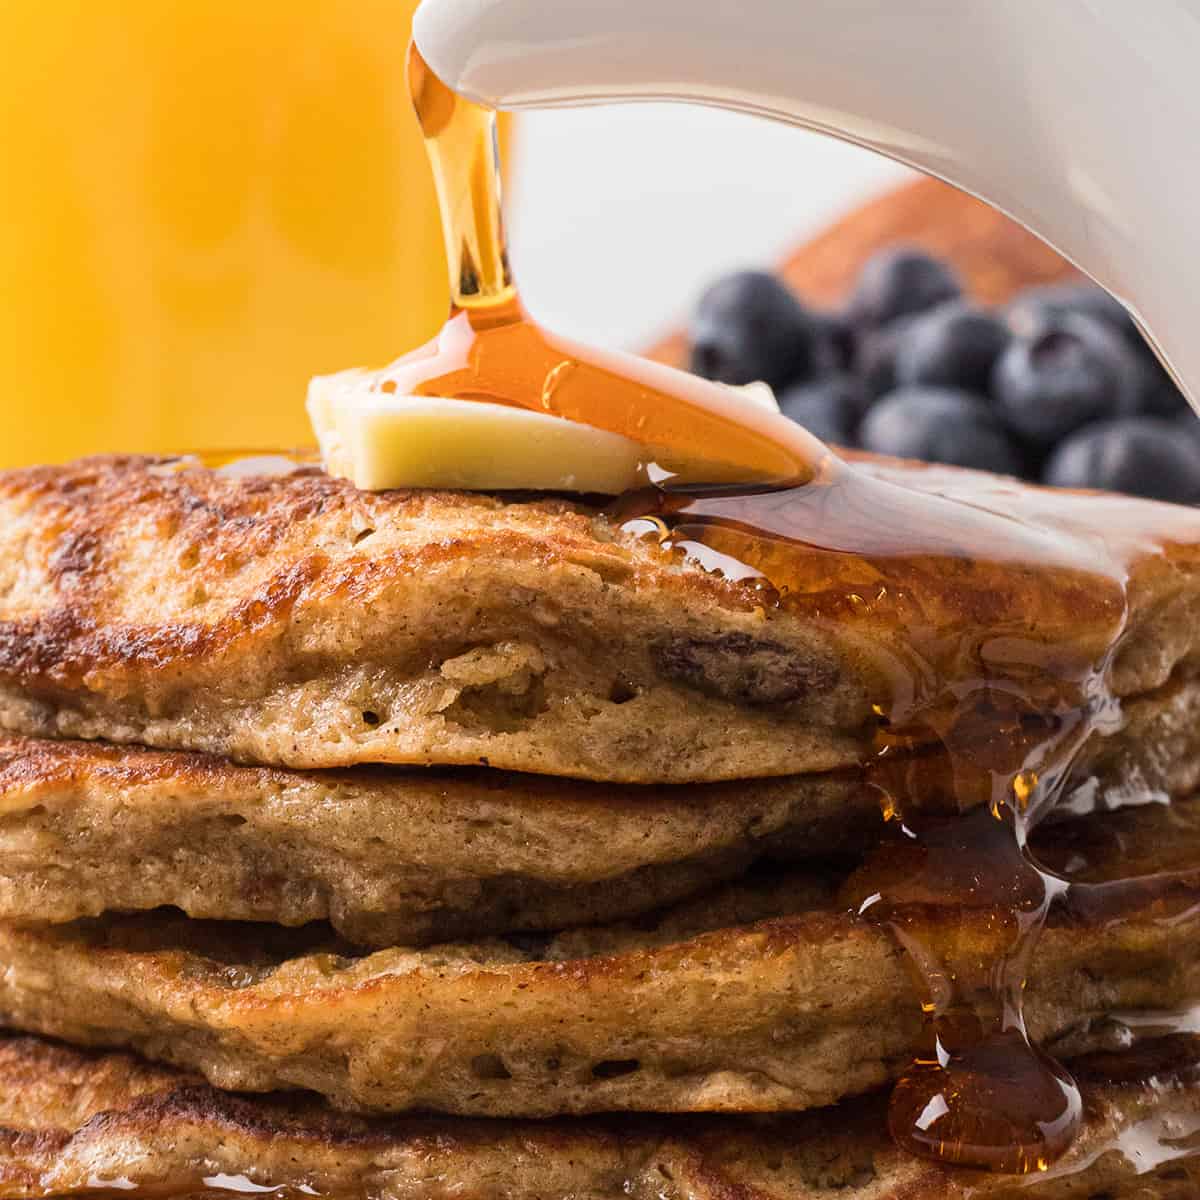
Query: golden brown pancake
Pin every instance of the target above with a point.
(71, 1121)
(388, 856)
(293, 620)
(394, 856)
(765, 995)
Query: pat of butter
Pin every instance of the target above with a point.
(380, 440)
(759, 393)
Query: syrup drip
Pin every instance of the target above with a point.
(235, 464)
(938, 585)
(205, 1187)
(979, 1093)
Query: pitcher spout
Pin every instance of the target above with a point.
(1078, 119)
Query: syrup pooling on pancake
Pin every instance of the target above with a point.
(236, 464)
(1010, 698)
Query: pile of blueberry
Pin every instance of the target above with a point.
(1058, 386)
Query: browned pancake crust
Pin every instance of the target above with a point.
(388, 856)
(70, 1120)
(294, 620)
(766, 995)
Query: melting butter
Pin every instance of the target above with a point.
(382, 439)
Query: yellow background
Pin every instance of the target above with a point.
(202, 204)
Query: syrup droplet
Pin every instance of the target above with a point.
(965, 902)
(997, 1103)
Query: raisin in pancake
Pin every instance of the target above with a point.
(388, 856)
(71, 1121)
(765, 995)
(293, 620)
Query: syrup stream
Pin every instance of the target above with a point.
(491, 350)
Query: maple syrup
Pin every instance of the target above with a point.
(234, 464)
(837, 544)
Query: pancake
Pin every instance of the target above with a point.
(391, 856)
(293, 620)
(387, 856)
(72, 1122)
(765, 995)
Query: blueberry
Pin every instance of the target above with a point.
(1065, 372)
(749, 326)
(897, 283)
(1187, 429)
(1144, 456)
(828, 408)
(1034, 306)
(1189, 426)
(943, 425)
(841, 340)
(1160, 397)
(954, 345)
(875, 352)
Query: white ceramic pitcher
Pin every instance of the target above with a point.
(1079, 118)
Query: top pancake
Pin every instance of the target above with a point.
(293, 620)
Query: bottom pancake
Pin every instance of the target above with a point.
(72, 1122)
(767, 995)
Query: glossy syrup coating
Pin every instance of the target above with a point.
(1010, 710)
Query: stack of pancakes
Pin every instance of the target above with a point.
(455, 845)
